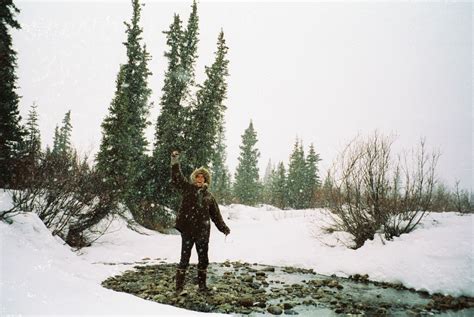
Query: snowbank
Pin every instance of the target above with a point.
(41, 275)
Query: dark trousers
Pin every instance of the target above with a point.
(202, 247)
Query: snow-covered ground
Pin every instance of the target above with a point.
(42, 275)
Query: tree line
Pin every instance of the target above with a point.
(191, 120)
(71, 195)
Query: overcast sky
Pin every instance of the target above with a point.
(323, 72)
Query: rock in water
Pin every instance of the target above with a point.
(247, 278)
(246, 301)
(275, 310)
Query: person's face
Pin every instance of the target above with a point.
(200, 180)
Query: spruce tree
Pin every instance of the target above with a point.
(327, 191)
(169, 131)
(11, 130)
(268, 172)
(61, 159)
(267, 183)
(297, 198)
(62, 137)
(247, 185)
(55, 138)
(121, 157)
(137, 94)
(188, 50)
(187, 83)
(33, 135)
(221, 182)
(174, 125)
(313, 182)
(279, 190)
(207, 116)
(31, 149)
(111, 158)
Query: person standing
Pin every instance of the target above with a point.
(197, 208)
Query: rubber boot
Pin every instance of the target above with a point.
(180, 275)
(202, 275)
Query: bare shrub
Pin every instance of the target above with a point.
(369, 191)
(414, 181)
(66, 194)
(462, 199)
(72, 199)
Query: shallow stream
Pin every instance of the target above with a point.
(239, 288)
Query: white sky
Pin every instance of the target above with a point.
(321, 71)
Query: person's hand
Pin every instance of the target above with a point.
(174, 157)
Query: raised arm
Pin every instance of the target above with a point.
(177, 178)
(216, 217)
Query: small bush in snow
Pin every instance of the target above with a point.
(66, 195)
(368, 190)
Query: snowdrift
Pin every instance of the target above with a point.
(42, 275)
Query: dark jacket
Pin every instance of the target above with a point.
(198, 207)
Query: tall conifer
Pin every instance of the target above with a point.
(33, 155)
(313, 182)
(33, 135)
(174, 124)
(187, 82)
(111, 158)
(221, 182)
(208, 115)
(296, 178)
(188, 49)
(62, 141)
(169, 130)
(267, 191)
(279, 196)
(11, 130)
(247, 186)
(122, 153)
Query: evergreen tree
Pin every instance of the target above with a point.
(268, 172)
(174, 124)
(33, 135)
(122, 157)
(313, 182)
(59, 161)
(56, 138)
(267, 183)
(11, 130)
(279, 196)
(207, 116)
(112, 158)
(247, 186)
(62, 137)
(221, 183)
(27, 165)
(297, 198)
(186, 75)
(326, 191)
(169, 131)
(188, 49)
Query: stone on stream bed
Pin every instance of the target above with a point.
(274, 310)
(242, 288)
